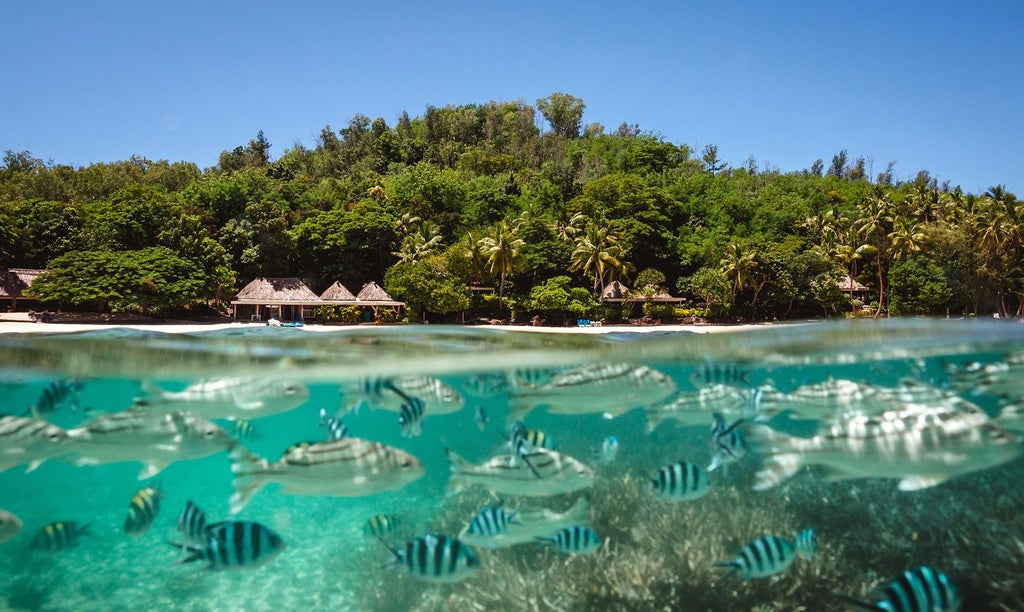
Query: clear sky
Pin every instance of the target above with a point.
(933, 85)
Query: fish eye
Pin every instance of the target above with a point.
(210, 433)
(55, 437)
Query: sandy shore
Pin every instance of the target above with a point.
(18, 322)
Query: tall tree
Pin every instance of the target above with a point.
(597, 252)
(564, 113)
(502, 249)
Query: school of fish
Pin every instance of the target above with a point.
(916, 433)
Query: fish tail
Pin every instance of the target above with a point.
(249, 471)
(733, 567)
(580, 511)
(781, 458)
(151, 394)
(517, 411)
(190, 552)
(457, 465)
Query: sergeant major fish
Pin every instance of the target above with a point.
(769, 555)
(192, 523)
(346, 467)
(575, 540)
(10, 526)
(381, 524)
(436, 558)
(549, 473)
(157, 439)
(489, 523)
(529, 524)
(605, 388)
(59, 535)
(333, 426)
(727, 443)
(55, 395)
(918, 589)
(683, 481)
(234, 545)
(142, 511)
(228, 398)
(921, 445)
(31, 441)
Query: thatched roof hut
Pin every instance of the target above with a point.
(337, 293)
(13, 281)
(617, 293)
(372, 292)
(284, 298)
(851, 286)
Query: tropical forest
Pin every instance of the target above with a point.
(506, 210)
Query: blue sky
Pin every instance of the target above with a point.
(930, 85)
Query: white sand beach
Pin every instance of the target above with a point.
(19, 322)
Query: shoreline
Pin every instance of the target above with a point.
(17, 322)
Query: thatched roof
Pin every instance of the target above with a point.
(851, 286)
(276, 291)
(614, 292)
(337, 293)
(617, 292)
(15, 280)
(372, 292)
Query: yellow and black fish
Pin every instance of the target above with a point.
(59, 535)
(143, 510)
(381, 524)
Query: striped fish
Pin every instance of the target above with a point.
(575, 540)
(727, 443)
(389, 393)
(410, 417)
(918, 589)
(683, 481)
(538, 439)
(157, 439)
(491, 521)
(56, 395)
(143, 510)
(436, 558)
(552, 473)
(192, 523)
(334, 426)
(31, 441)
(235, 545)
(693, 407)
(603, 388)
(228, 398)
(730, 374)
(346, 467)
(244, 431)
(381, 524)
(922, 445)
(767, 555)
(519, 447)
(10, 526)
(997, 378)
(529, 524)
(58, 536)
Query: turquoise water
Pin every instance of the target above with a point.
(656, 554)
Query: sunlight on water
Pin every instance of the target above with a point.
(941, 488)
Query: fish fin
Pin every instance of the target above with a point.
(190, 552)
(456, 465)
(734, 568)
(151, 394)
(579, 512)
(526, 460)
(858, 603)
(782, 456)
(33, 465)
(151, 469)
(248, 469)
(517, 411)
(916, 483)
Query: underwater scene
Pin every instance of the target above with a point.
(824, 466)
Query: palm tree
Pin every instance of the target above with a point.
(906, 237)
(475, 256)
(872, 228)
(419, 243)
(502, 250)
(597, 252)
(738, 264)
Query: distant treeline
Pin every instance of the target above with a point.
(480, 195)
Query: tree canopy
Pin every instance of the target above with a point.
(478, 195)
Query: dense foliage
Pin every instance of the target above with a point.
(478, 195)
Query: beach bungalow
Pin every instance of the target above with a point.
(372, 298)
(285, 299)
(617, 293)
(338, 294)
(855, 290)
(13, 281)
